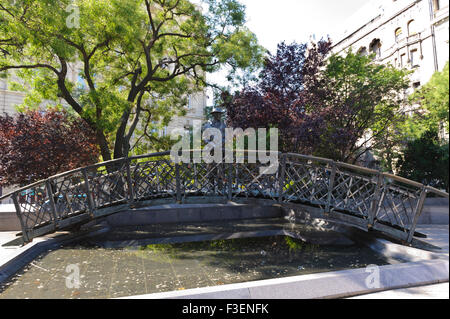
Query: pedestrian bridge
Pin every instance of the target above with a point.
(352, 195)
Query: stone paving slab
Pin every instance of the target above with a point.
(439, 291)
(338, 284)
(437, 235)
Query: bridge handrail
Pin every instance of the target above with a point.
(307, 157)
(77, 170)
(404, 203)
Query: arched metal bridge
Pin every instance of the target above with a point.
(353, 195)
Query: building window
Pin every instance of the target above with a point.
(398, 34)
(189, 105)
(436, 5)
(396, 62)
(402, 60)
(154, 129)
(412, 28)
(163, 131)
(414, 58)
(375, 47)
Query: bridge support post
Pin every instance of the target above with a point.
(52, 202)
(375, 201)
(281, 177)
(178, 183)
(25, 236)
(229, 181)
(90, 199)
(331, 187)
(129, 182)
(417, 213)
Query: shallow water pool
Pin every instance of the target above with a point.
(89, 271)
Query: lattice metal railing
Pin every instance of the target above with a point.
(154, 179)
(355, 195)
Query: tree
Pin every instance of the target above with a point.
(35, 145)
(433, 114)
(279, 98)
(322, 104)
(424, 157)
(425, 160)
(138, 60)
(364, 101)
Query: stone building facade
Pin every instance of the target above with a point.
(194, 109)
(411, 34)
(195, 112)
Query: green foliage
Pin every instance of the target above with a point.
(297, 245)
(425, 160)
(433, 115)
(294, 245)
(364, 97)
(134, 62)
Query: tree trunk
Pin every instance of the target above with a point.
(104, 149)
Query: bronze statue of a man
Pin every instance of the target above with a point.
(217, 123)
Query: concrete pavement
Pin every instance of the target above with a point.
(437, 235)
(439, 291)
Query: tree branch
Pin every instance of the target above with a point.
(31, 66)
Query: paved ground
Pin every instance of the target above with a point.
(437, 235)
(439, 291)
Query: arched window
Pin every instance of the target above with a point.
(398, 34)
(412, 28)
(375, 47)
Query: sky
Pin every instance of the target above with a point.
(295, 20)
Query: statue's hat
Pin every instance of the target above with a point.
(217, 110)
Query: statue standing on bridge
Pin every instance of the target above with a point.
(216, 144)
(217, 123)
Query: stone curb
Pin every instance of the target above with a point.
(337, 284)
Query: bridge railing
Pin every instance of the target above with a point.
(356, 195)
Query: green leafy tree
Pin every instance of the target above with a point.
(424, 157)
(433, 114)
(425, 160)
(137, 59)
(363, 102)
(339, 107)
